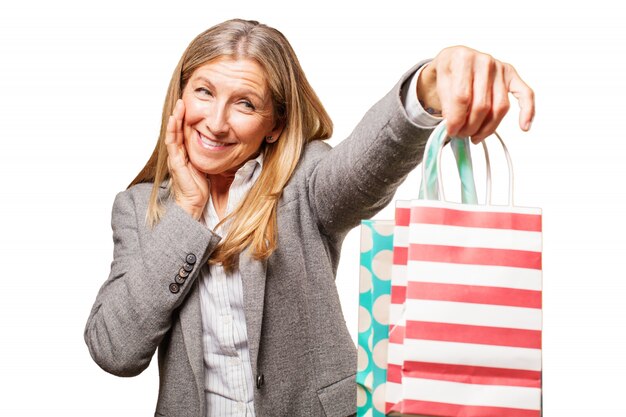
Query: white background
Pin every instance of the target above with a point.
(81, 90)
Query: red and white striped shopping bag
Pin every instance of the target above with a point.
(395, 356)
(472, 341)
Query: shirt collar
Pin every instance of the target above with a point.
(246, 172)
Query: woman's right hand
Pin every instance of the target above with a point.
(190, 187)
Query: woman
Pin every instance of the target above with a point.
(228, 240)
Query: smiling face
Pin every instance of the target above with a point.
(228, 112)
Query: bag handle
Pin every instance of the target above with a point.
(488, 164)
(461, 150)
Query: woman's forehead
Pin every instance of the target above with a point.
(243, 72)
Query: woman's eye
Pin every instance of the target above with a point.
(203, 91)
(248, 104)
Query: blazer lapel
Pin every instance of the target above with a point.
(253, 279)
(191, 323)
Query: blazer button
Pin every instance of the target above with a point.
(174, 288)
(180, 280)
(188, 267)
(182, 273)
(191, 259)
(260, 380)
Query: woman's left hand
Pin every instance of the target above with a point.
(471, 89)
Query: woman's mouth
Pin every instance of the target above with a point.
(212, 145)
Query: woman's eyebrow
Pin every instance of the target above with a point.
(204, 79)
(243, 90)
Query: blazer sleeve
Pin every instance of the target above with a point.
(133, 309)
(359, 177)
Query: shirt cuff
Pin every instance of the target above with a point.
(414, 109)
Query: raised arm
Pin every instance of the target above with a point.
(360, 176)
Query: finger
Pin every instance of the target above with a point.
(170, 131)
(177, 160)
(524, 95)
(179, 115)
(179, 109)
(174, 135)
(499, 107)
(175, 153)
(179, 132)
(454, 90)
(482, 90)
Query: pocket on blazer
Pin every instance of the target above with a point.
(339, 398)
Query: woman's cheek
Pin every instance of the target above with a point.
(194, 114)
(195, 111)
(247, 126)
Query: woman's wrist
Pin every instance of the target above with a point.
(427, 91)
(193, 211)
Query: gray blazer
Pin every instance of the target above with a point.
(302, 355)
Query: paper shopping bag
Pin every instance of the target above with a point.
(395, 357)
(472, 342)
(374, 298)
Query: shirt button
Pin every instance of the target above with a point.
(188, 267)
(182, 273)
(191, 259)
(174, 288)
(235, 361)
(228, 319)
(179, 280)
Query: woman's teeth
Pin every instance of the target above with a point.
(211, 143)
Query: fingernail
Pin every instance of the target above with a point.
(528, 125)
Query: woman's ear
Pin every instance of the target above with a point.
(275, 133)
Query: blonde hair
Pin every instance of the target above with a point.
(296, 107)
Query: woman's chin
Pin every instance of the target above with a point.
(210, 167)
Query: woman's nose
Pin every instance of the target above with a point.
(217, 120)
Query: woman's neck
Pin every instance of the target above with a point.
(220, 185)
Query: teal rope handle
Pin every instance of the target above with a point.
(461, 149)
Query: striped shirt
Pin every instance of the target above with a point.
(228, 378)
